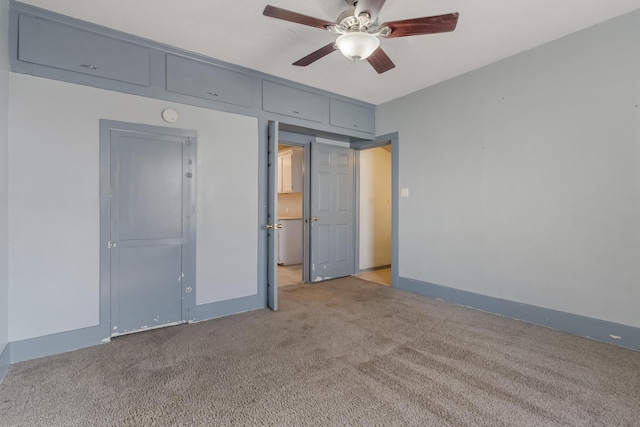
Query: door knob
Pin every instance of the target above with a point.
(315, 218)
(273, 226)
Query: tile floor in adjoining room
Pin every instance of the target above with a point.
(289, 275)
(381, 276)
(292, 275)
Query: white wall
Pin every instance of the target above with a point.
(54, 200)
(375, 208)
(4, 166)
(524, 179)
(290, 205)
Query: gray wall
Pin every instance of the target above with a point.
(54, 200)
(523, 176)
(4, 166)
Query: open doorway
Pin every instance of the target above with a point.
(375, 214)
(290, 237)
(329, 219)
(314, 236)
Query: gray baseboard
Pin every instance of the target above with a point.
(587, 327)
(226, 308)
(61, 342)
(5, 361)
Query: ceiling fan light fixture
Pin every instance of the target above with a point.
(357, 45)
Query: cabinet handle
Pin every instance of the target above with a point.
(89, 66)
(212, 94)
(295, 112)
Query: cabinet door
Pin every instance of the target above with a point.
(287, 182)
(280, 171)
(352, 116)
(290, 101)
(290, 242)
(296, 170)
(55, 45)
(290, 177)
(208, 81)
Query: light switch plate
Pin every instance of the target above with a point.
(404, 192)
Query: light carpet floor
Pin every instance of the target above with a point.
(343, 352)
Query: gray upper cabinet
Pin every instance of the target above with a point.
(55, 45)
(45, 44)
(352, 116)
(197, 78)
(290, 101)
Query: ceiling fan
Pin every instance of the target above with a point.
(360, 32)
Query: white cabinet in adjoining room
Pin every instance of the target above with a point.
(290, 241)
(290, 170)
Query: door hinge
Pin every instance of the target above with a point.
(111, 245)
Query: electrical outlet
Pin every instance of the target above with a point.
(404, 192)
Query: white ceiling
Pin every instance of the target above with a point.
(236, 31)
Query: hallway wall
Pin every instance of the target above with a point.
(375, 208)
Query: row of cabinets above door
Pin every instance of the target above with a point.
(86, 54)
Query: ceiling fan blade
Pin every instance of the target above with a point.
(380, 61)
(313, 57)
(372, 7)
(419, 26)
(287, 15)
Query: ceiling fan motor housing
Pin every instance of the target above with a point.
(360, 32)
(347, 21)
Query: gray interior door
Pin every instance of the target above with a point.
(272, 219)
(148, 229)
(332, 212)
